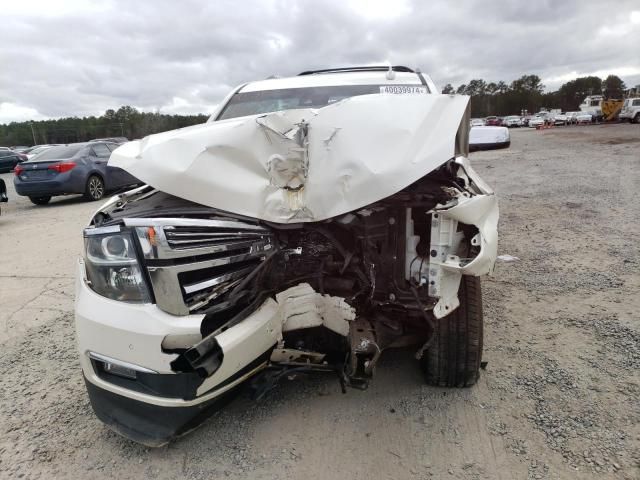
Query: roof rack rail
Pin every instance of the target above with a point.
(375, 68)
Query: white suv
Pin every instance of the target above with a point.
(311, 224)
(631, 110)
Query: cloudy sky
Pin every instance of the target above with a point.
(71, 57)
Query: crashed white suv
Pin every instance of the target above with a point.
(312, 223)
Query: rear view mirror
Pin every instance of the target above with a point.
(488, 138)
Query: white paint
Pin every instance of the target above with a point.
(384, 143)
(488, 135)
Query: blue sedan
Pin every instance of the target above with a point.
(68, 169)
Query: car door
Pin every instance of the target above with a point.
(124, 178)
(100, 154)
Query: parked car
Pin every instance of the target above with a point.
(314, 238)
(477, 122)
(630, 110)
(493, 121)
(558, 119)
(20, 148)
(489, 138)
(68, 169)
(536, 121)
(118, 140)
(512, 121)
(583, 117)
(571, 117)
(32, 152)
(9, 159)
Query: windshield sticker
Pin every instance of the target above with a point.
(403, 89)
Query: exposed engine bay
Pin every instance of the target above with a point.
(345, 289)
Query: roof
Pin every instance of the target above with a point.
(339, 78)
(354, 76)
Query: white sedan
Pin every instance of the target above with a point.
(583, 117)
(512, 121)
(559, 119)
(536, 121)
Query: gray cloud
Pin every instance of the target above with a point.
(79, 59)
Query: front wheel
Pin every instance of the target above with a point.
(636, 119)
(40, 200)
(453, 360)
(94, 189)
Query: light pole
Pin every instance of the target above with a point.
(33, 133)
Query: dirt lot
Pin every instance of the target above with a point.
(558, 400)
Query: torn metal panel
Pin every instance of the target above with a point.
(353, 153)
(446, 266)
(303, 307)
(297, 307)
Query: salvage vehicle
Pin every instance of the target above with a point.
(493, 121)
(583, 118)
(558, 118)
(631, 110)
(489, 138)
(512, 121)
(311, 224)
(572, 117)
(79, 168)
(537, 121)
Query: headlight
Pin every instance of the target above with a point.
(112, 266)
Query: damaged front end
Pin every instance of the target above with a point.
(323, 272)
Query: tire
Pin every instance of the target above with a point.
(40, 200)
(453, 360)
(94, 189)
(636, 119)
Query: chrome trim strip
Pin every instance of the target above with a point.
(120, 363)
(212, 282)
(91, 231)
(190, 222)
(213, 236)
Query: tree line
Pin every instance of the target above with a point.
(487, 98)
(527, 93)
(124, 122)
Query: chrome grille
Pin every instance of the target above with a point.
(195, 264)
(185, 237)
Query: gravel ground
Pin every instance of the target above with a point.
(558, 400)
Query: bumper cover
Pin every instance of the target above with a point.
(151, 425)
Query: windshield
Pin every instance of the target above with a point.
(266, 101)
(55, 153)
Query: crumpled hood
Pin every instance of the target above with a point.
(302, 165)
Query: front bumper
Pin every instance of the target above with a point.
(160, 404)
(151, 425)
